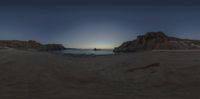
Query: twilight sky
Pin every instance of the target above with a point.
(96, 23)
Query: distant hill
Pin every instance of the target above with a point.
(157, 40)
(30, 45)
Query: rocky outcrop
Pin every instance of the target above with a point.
(30, 45)
(157, 40)
(20, 44)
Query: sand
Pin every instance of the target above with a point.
(142, 75)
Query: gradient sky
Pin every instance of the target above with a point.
(96, 23)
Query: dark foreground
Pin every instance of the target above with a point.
(144, 75)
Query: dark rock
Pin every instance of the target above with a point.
(20, 44)
(30, 45)
(157, 40)
(95, 49)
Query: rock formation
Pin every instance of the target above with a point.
(30, 45)
(157, 40)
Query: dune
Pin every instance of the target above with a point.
(141, 75)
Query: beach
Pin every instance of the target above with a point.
(140, 75)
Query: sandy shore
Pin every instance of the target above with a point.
(143, 75)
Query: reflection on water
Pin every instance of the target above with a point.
(86, 51)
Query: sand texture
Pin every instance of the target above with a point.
(141, 75)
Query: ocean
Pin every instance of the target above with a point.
(86, 52)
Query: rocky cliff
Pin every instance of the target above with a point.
(30, 45)
(157, 40)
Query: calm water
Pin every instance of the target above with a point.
(85, 51)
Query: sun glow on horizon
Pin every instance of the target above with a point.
(102, 35)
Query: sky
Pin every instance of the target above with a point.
(96, 23)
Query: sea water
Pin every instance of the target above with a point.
(86, 51)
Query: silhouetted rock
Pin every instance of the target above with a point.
(30, 45)
(20, 44)
(95, 49)
(157, 40)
